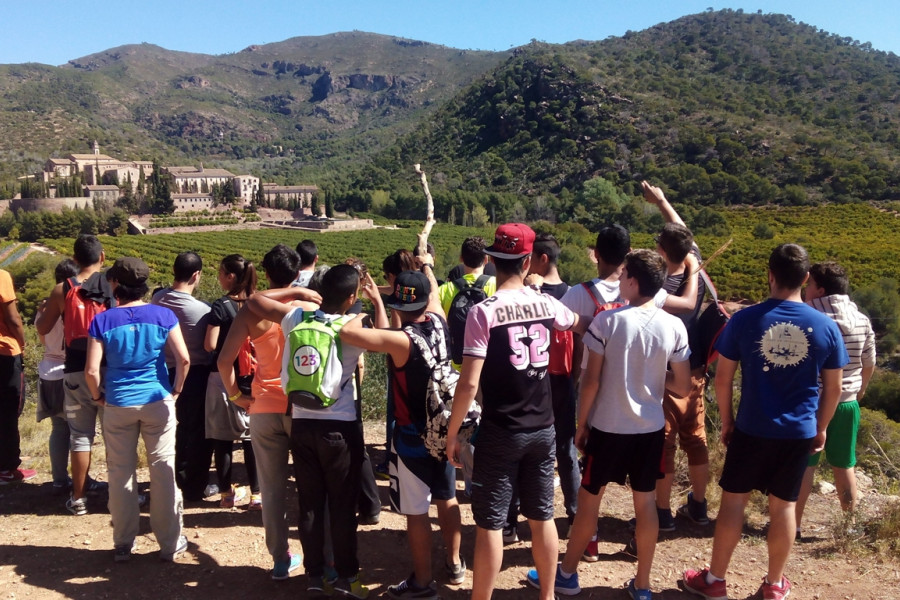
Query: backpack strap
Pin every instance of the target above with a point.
(69, 284)
(461, 284)
(230, 307)
(481, 281)
(595, 295)
(432, 355)
(709, 285)
(426, 352)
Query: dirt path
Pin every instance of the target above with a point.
(47, 553)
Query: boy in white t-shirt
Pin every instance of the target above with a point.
(621, 422)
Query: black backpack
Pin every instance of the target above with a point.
(467, 296)
(707, 328)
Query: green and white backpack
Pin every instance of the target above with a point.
(315, 369)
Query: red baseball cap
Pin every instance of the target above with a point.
(512, 240)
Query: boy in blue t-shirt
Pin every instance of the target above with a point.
(783, 347)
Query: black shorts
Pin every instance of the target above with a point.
(770, 465)
(503, 460)
(610, 457)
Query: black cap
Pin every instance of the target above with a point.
(129, 271)
(411, 290)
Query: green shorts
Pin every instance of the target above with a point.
(840, 441)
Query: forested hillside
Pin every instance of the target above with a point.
(722, 108)
(286, 110)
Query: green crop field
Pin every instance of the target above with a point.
(371, 246)
(865, 240)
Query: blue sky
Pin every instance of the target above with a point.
(55, 31)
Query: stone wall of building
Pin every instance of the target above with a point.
(50, 204)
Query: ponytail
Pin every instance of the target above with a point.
(245, 277)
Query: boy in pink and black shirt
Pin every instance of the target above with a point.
(506, 354)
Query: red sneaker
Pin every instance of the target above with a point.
(16, 475)
(592, 552)
(695, 583)
(770, 591)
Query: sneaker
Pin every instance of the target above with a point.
(350, 588)
(255, 502)
(591, 552)
(316, 587)
(408, 588)
(228, 499)
(630, 548)
(637, 594)
(565, 586)
(770, 591)
(61, 488)
(211, 490)
(693, 510)
(510, 534)
(382, 471)
(369, 519)
(16, 475)
(695, 583)
(331, 575)
(122, 552)
(666, 520)
(180, 547)
(95, 487)
(284, 568)
(77, 507)
(456, 572)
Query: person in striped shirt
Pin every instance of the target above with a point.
(827, 292)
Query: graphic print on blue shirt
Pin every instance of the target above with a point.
(782, 347)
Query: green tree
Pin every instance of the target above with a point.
(599, 203)
(260, 198)
(479, 216)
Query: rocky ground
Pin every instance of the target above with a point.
(47, 553)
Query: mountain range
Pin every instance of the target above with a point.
(721, 108)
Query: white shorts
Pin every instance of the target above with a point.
(416, 481)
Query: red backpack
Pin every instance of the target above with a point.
(78, 315)
(595, 296)
(562, 342)
(245, 364)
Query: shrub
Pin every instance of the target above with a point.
(883, 393)
(763, 231)
(878, 447)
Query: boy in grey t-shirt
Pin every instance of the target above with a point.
(621, 423)
(193, 452)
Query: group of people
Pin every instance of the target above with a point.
(610, 367)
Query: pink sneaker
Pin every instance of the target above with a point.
(16, 475)
(695, 583)
(770, 591)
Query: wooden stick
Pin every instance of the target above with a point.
(429, 214)
(715, 254)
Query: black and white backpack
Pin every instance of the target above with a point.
(441, 387)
